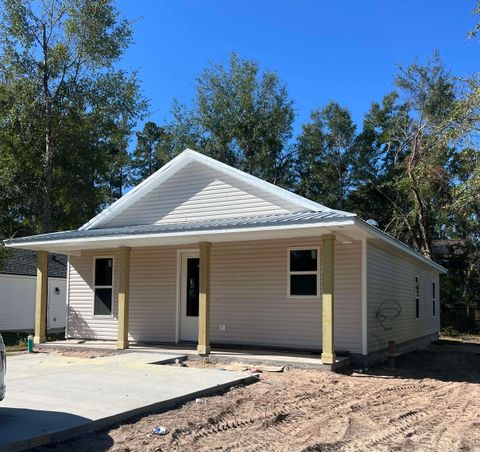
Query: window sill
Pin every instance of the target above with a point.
(302, 297)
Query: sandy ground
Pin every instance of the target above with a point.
(430, 403)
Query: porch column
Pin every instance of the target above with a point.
(123, 296)
(328, 348)
(203, 347)
(41, 298)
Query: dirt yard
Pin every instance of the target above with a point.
(430, 403)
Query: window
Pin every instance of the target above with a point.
(417, 298)
(103, 286)
(193, 286)
(303, 274)
(434, 300)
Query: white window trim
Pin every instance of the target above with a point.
(103, 316)
(415, 283)
(434, 298)
(303, 248)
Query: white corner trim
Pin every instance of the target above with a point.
(364, 299)
(67, 295)
(179, 162)
(178, 283)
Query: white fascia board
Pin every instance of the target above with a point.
(377, 233)
(260, 184)
(183, 160)
(76, 243)
(139, 191)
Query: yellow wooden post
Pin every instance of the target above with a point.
(41, 298)
(203, 347)
(328, 347)
(123, 297)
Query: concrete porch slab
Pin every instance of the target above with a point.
(256, 356)
(50, 397)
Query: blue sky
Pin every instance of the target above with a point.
(347, 51)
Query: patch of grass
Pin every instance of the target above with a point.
(449, 331)
(447, 340)
(16, 341)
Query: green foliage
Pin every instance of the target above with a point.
(66, 113)
(326, 156)
(240, 116)
(414, 167)
(406, 148)
(154, 149)
(67, 116)
(450, 331)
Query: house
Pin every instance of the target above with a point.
(204, 253)
(17, 291)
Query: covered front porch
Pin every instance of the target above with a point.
(125, 332)
(291, 282)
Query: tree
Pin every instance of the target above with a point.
(154, 149)
(374, 170)
(57, 60)
(326, 156)
(240, 116)
(413, 137)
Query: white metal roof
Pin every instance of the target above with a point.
(312, 219)
(179, 162)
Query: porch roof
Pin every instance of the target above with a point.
(346, 226)
(182, 228)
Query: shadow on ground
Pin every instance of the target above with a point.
(17, 425)
(445, 361)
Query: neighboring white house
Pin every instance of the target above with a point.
(17, 291)
(202, 252)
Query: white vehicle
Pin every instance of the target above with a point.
(3, 367)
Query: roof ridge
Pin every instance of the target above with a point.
(177, 164)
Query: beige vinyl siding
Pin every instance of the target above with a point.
(81, 322)
(391, 277)
(153, 283)
(199, 192)
(249, 296)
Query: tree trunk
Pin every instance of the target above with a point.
(424, 224)
(47, 189)
(425, 245)
(48, 153)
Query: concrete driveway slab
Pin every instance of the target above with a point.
(50, 397)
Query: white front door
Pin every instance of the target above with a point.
(189, 290)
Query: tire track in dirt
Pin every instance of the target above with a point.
(383, 397)
(416, 416)
(290, 419)
(313, 422)
(448, 435)
(272, 416)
